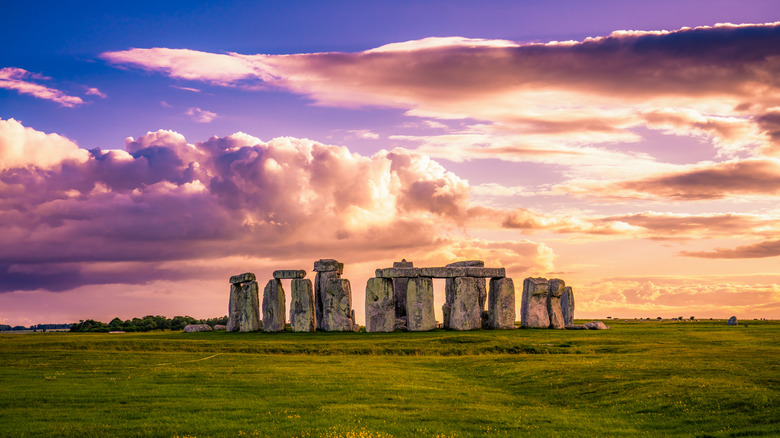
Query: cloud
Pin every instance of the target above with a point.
(194, 90)
(770, 248)
(715, 82)
(22, 148)
(712, 181)
(200, 116)
(95, 92)
(18, 79)
(715, 296)
(148, 212)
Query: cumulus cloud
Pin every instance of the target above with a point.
(21, 80)
(65, 210)
(719, 80)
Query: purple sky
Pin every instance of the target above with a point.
(148, 151)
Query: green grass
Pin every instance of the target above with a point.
(639, 379)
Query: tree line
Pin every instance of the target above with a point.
(145, 324)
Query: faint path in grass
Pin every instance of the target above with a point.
(187, 361)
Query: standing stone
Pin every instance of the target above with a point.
(244, 304)
(533, 308)
(419, 305)
(380, 306)
(465, 313)
(327, 269)
(481, 282)
(273, 306)
(337, 306)
(732, 321)
(501, 304)
(234, 308)
(567, 305)
(399, 293)
(554, 310)
(302, 316)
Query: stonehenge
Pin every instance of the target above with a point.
(399, 297)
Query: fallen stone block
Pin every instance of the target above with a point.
(197, 328)
(595, 325)
(219, 327)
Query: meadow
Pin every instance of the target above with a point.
(670, 378)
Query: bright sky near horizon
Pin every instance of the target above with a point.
(150, 150)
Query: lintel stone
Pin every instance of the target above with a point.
(397, 272)
(242, 278)
(467, 264)
(327, 265)
(289, 274)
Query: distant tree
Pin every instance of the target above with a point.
(692, 318)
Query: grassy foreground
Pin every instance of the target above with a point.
(687, 378)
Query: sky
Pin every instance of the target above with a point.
(150, 150)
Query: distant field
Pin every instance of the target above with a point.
(691, 378)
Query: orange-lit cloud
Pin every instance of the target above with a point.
(18, 79)
(716, 82)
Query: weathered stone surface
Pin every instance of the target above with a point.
(400, 323)
(399, 296)
(465, 313)
(486, 272)
(403, 264)
(337, 306)
(501, 304)
(575, 327)
(289, 274)
(567, 305)
(732, 321)
(533, 308)
(554, 310)
(328, 265)
(242, 278)
(481, 289)
(466, 263)
(595, 325)
(219, 327)
(197, 328)
(320, 284)
(419, 305)
(244, 307)
(397, 272)
(440, 272)
(302, 315)
(380, 305)
(234, 309)
(273, 306)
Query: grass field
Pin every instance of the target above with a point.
(692, 378)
